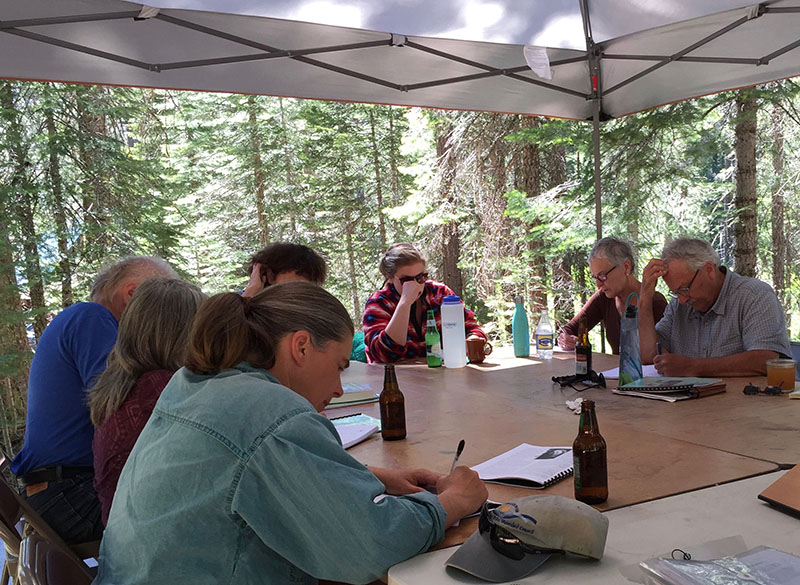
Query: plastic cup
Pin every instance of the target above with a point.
(780, 372)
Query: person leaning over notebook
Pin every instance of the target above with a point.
(718, 323)
(237, 478)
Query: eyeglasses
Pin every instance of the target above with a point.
(603, 276)
(752, 390)
(684, 290)
(504, 541)
(420, 278)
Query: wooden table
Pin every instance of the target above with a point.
(507, 401)
(643, 531)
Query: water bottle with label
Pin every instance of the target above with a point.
(544, 337)
(454, 344)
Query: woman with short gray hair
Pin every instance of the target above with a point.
(612, 263)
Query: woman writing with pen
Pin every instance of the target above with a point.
(237, 461)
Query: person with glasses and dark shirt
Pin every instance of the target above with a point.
(394, 316)
(718, 323)
(612, 264)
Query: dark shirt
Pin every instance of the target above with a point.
(601, 308)
(71, 354)
(114, 439)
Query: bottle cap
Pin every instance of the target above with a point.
(451, 300)
(518, 300)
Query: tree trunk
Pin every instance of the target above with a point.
(395, 175)
(532, 185)
(59, 212)
(450, 243)
(258, 170)
(23, 193)
(351, 263)
(745, 201)
(378, 182)
(14, 351)
(779, 254)
(290, 182)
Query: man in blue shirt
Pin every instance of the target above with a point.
(55, 462)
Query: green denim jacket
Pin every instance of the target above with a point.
(237, 479)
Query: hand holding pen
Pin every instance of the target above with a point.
(459, 450)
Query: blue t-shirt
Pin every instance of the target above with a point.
(71, 353)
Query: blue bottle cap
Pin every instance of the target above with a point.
(451, 300)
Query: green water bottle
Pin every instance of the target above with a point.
(433, 342)
(520, 332)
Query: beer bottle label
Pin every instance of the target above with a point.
(581, 363)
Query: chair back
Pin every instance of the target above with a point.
(42, 563)
(35, 523)
(10, 512)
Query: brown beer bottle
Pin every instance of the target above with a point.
(583, 351)
(589, 456)
(393, 407)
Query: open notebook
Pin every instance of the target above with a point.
(528, 466)
(355, 428)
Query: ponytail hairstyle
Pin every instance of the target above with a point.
(230, 328)
(152, 335)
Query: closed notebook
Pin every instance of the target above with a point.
(784, 493)
(528, 466)
(354, 394)
(671, 389)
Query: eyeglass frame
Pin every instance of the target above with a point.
(420, 278)
(753, 390)
(603, 276)
(685, 290)
(503, 541)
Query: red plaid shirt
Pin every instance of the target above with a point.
(379, 310)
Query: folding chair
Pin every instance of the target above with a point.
(10, 514)
(42, 563)
(13, 506)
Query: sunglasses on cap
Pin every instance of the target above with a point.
(420, 278)
(752, 390)
(504, 541)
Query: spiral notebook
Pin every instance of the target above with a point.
(528, 466)
(671, 389)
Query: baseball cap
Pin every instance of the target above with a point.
(516, 538)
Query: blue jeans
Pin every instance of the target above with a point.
(71, 508)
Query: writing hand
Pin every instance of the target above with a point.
(567, 341)
(672, 364)
(461, 493)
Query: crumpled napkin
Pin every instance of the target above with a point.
(575, 405)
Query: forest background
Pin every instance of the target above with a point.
(502, 204)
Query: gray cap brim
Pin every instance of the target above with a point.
(477, 557)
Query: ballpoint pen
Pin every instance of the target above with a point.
(458, 454)
(658, 347)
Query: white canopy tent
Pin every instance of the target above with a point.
(607, 58)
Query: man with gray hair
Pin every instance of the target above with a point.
(718, 323)
(55, 462)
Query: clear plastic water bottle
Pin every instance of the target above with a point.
(544, 337)
(454, 345)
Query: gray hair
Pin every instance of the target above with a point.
(614, 250)
(694, 252)
(137, 268)
(153, 334)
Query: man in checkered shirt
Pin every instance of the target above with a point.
(718, 323)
